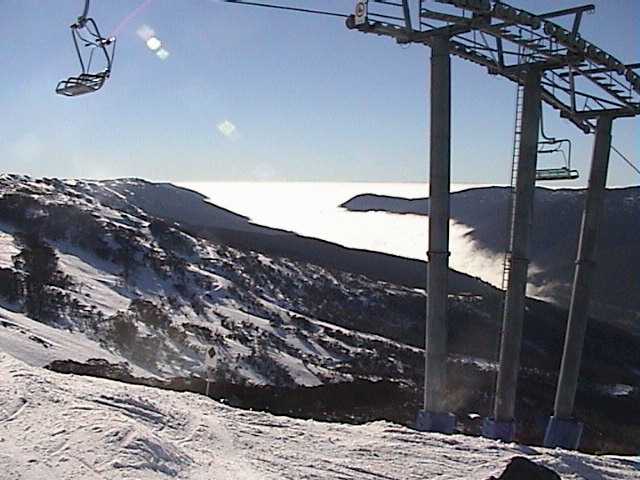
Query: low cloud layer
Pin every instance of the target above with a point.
(310, 209)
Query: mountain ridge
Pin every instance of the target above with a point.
(557, 217)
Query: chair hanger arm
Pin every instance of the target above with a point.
(82, 19)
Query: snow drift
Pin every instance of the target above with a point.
(67, 427)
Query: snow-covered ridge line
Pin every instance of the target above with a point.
(554, 239)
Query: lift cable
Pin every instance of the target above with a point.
(284, 7)
(626, 159)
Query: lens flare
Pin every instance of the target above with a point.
(227, 128)
(145, 32)
(154, 43)
(162, 54)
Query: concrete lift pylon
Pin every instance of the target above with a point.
(588, 86)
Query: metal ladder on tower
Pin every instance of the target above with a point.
(517, 133)
(506, 261)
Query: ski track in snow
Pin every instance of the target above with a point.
(70, 427)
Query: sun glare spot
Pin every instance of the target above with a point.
(145, 32)
(162, 54)
(227, 128)
(154, 43)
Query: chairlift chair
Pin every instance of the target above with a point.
(561, 173)
(550, 145)
(85, 34)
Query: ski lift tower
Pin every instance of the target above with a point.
(549, 62)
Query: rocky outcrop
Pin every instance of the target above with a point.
(521, 468)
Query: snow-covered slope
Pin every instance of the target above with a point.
(38, 344)
(67, 427)
(150, 292)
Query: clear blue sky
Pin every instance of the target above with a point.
(310, 99)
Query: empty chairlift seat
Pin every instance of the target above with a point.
(84, 83)
(88, 41)
(562, 173)
(554, 147)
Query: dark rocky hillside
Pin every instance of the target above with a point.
(557, 217)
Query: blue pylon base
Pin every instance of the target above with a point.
(563, 433)
(435, 422)
(505, 431)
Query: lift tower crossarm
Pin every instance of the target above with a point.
(568, 11)
(578, 11)
(560, 51)
(444, 17)
(631, 66)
